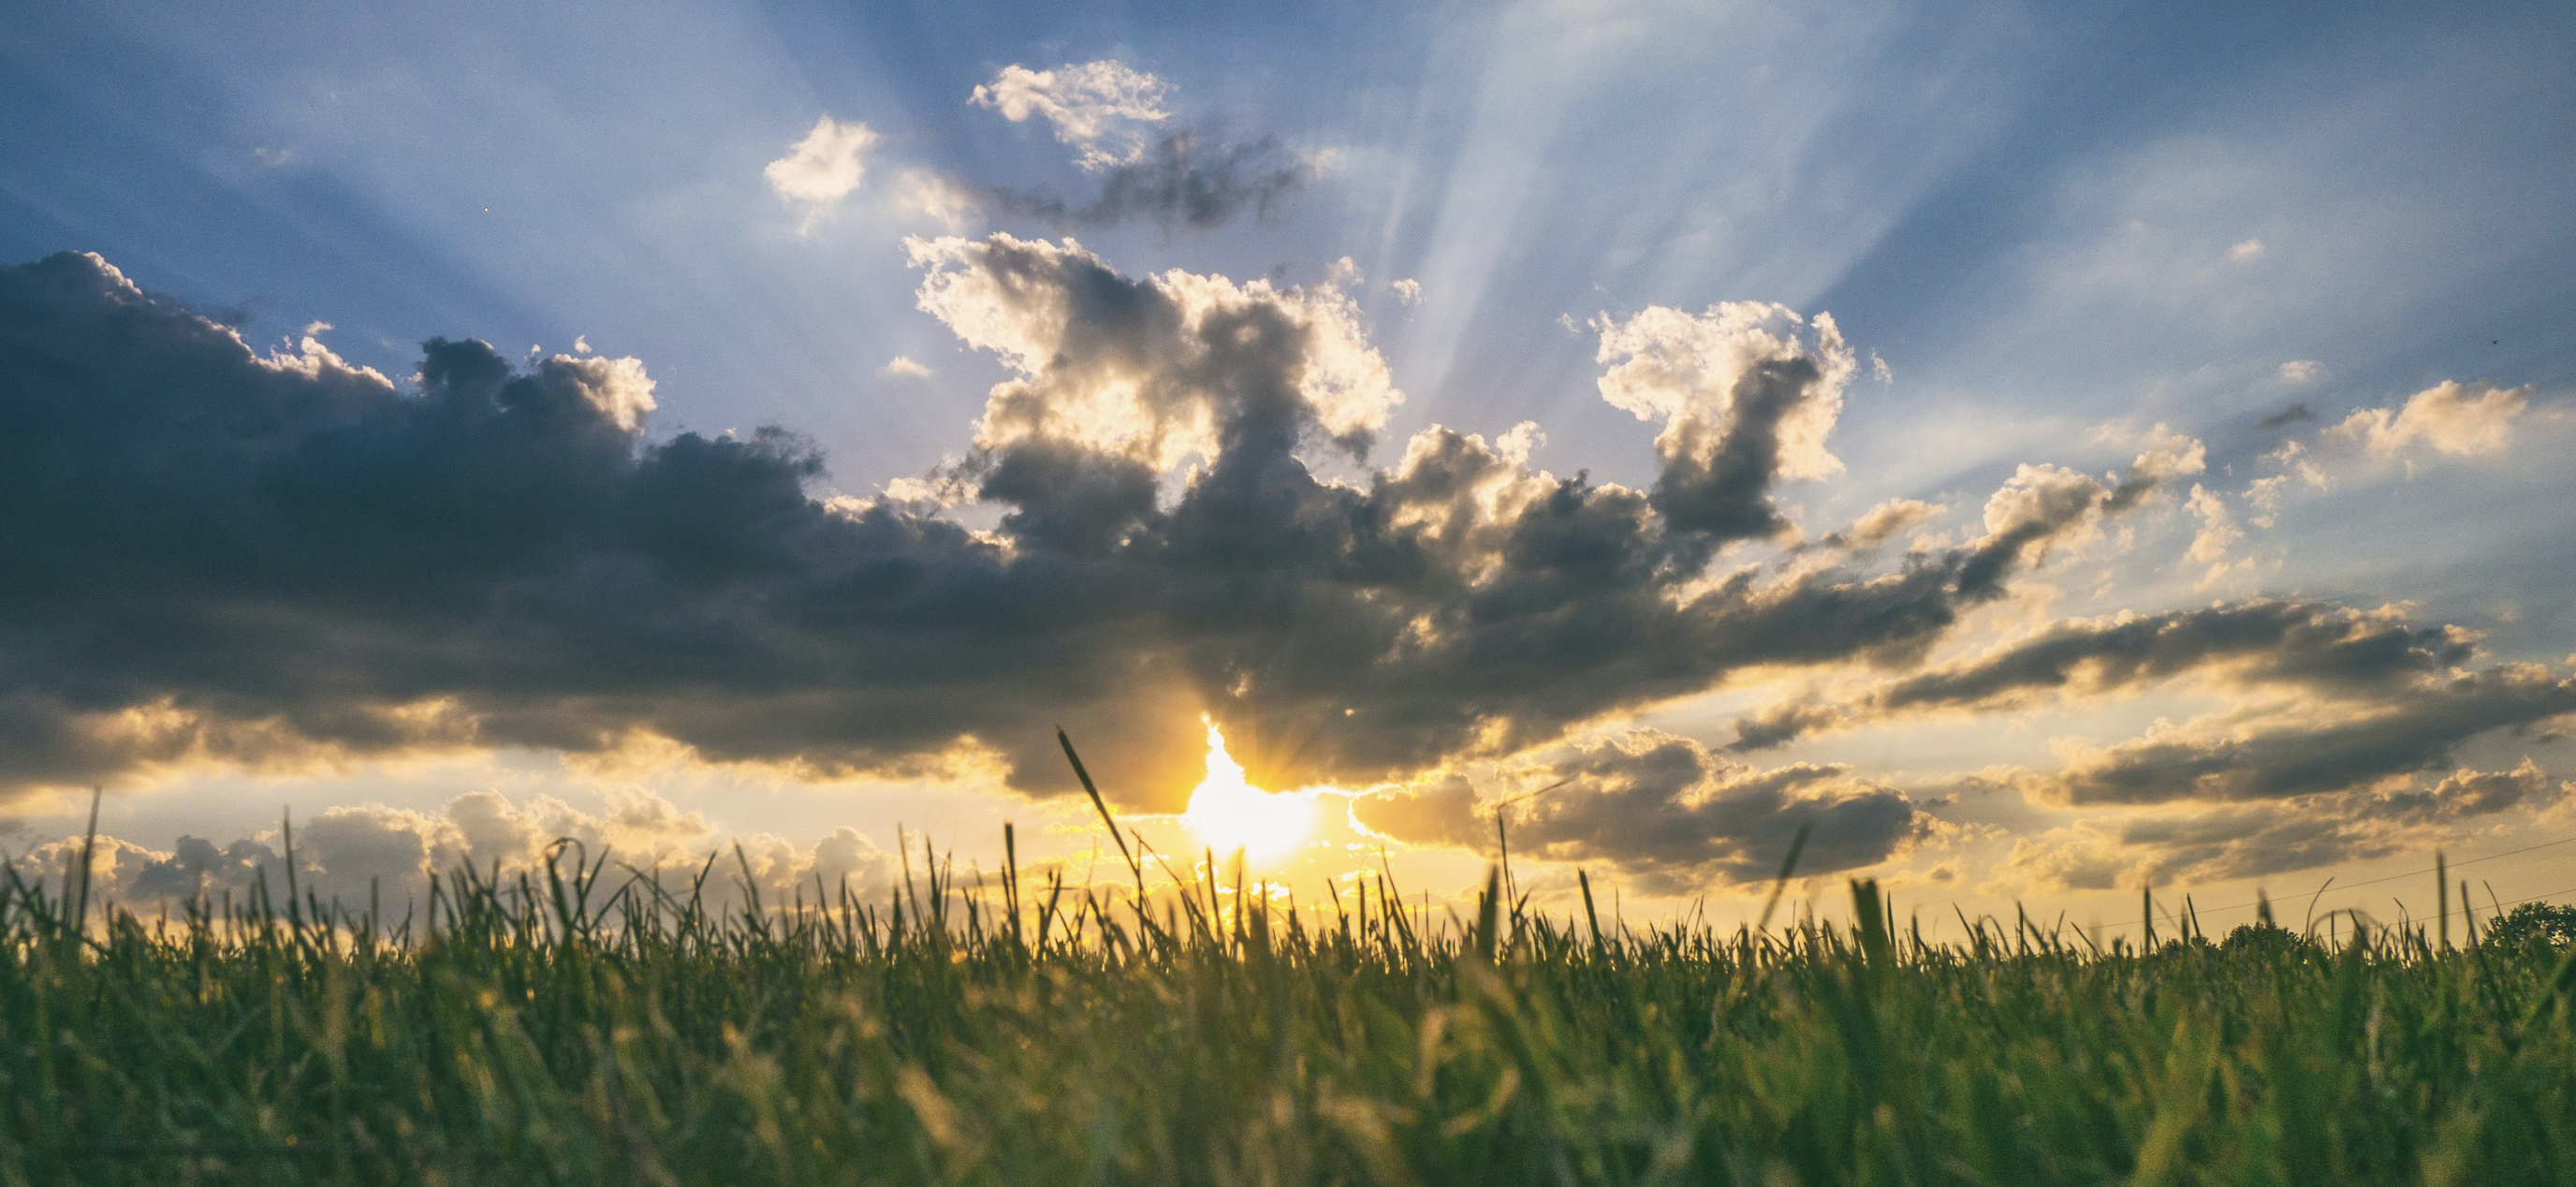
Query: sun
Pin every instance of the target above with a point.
(1229, 813)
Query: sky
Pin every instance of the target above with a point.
(2030, 454)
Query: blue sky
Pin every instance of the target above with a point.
(2056, 229)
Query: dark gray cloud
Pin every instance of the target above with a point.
(264, 560)
(2331, 649)
(1446, 812)
(1667, 811)
(2347, 748)
(2251, 840)
(2287, 416)
(1181, 180)
(1672, 816)
(196, 864)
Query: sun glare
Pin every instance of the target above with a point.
(1229, 813)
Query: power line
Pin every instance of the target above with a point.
(2384, 878)
(2420, 873)
(2537, 897)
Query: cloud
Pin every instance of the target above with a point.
(2235, 841)
(1745, 400)
(1407, 291)
(1101, 108)
(2044, 507)
(938, 199)
(1667, 812)
(823, 168)
(2454, 419)
(1181, 180)
(1444, 813)
(2218, 533)
(2314, 647)
(2167, 850)
(1150, 167)
(282, 562)
(2469, 792)
(2353, 747)
(1882, 523)
(2245, 250)
(902, 365)
(2295, 371)
(2265, 493)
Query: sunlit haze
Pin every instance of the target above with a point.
(1231, 815)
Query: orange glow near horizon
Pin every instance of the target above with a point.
(1229, 813)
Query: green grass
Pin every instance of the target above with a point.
(570, 1028)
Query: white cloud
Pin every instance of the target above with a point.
(938, 199)
(2265, 493)
(2246, 250)
(1691, 370)
(1885, 520)
(1096, 107)
(2218, 530)
(1408, 291)
(2452, 418)
(823, 168)
(618, 387)
(2301, 370)
(902, 365)
(2218, 533)
(1018, 299)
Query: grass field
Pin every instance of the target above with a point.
(567, 1027)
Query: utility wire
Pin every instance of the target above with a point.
(2420, 873)
(2379, 880)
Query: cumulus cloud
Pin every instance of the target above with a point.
(279, 561)
(2044, 507)
(1668, 813)
(1103, 109)
(903, 365)
(823, 168)
(2452, 418)
(2295, 371)
(1666, 810)
(1408, 291)
(1745, 399)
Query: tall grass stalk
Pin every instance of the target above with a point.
(581, 1024)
